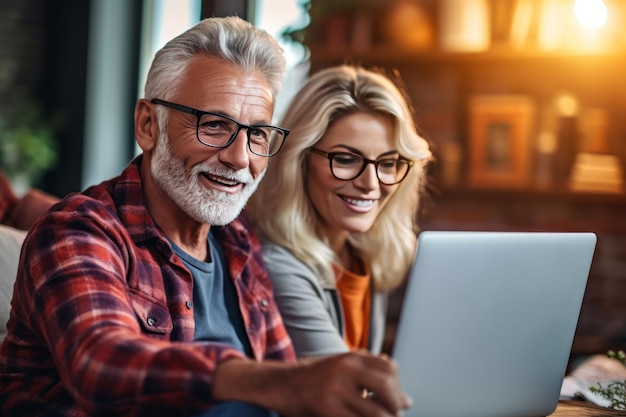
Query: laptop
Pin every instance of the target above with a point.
(488, 320)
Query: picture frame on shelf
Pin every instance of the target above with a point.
(499, 141)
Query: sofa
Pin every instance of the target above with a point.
(21, 212)
(17, 215)
(10, 244)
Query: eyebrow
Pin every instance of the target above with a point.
(356, 151)
(221, 113)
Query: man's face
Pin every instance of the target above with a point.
(212, 185)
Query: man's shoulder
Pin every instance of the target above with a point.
(114, 208)
(116, 191)
(94, 203)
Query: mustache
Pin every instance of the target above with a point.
(218, 170)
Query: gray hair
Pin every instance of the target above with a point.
(229, 38)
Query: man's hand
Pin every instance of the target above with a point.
(355, 384)
(335, 386)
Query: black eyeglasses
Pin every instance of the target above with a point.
(347, 166)
(219, 131)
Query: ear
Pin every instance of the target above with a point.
(146, 125)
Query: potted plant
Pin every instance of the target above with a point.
(614, 392)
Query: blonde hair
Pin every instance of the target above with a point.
(281, 209)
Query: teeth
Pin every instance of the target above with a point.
(222, 180)
(360, 203)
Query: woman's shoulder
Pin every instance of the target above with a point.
(282, 263)
(278, 254)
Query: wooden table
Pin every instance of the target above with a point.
(583, 409)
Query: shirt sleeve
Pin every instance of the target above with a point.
(311, 318)
(75, 300)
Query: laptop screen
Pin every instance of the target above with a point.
(488, 321)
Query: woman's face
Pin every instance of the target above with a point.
(353, 205)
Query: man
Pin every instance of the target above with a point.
(146, 294)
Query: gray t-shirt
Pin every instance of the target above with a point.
(216, 307)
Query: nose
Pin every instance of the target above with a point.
(368, 180)
(236, 155)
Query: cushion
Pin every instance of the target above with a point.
(22, 212)
(29, 208)
(8, 199)
(10, 245)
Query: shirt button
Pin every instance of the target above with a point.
(189, 304)
(264, 303)
(151, 321)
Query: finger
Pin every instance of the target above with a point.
(385, 388)
(375, 374)
(382, 362)
(391, 402)
(405, 402)
(365, 406)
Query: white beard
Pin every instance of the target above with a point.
(203, 205)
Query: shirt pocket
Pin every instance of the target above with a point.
(154, 317)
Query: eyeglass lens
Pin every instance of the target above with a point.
(215, 130)
(347, 166)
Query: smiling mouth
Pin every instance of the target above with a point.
(222, 181)
(358, 203)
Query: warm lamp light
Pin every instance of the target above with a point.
(591, 13)
(566, 105)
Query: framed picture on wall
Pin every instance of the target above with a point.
(499, 141)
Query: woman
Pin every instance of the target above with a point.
(337, 209)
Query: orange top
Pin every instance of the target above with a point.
(354, 291)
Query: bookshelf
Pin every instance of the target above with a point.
(443, 84)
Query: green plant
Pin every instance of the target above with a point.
(297, 33)
(614, 392)
(317, 11)
(27, 147)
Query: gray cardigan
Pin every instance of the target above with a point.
(313, 314)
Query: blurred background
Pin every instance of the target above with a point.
(523, 102)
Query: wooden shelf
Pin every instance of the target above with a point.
(388, 54)
(531, 194)
(519, 210)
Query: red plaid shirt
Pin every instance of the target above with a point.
(102, 320)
